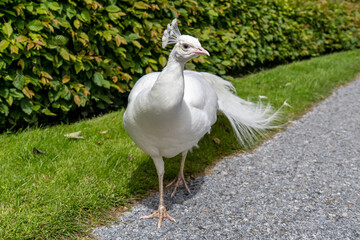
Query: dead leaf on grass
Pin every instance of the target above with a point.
(38, 151)
(74, 135)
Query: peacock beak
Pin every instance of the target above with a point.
(202, 51)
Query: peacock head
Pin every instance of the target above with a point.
(186, 47)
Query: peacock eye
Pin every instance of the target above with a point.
(186, 46)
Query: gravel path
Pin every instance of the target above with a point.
(303, 184)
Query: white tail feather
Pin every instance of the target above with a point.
(248, 120)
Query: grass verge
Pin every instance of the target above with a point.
(71, 187)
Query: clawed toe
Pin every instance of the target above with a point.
(161, 213)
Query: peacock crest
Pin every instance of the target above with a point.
(171, 34)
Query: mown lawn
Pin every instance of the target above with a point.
(71, 187)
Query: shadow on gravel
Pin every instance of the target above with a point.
(180, 196)
(145, 178)
(220, 142)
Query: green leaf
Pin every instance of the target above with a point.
(107, 35)
(65, 108)
(141, 5)
(212, 13)
(55, 105)
(54, 6)
(64, 92)
(25, 105)
(61, 40)
(47, 112)
(19, 80)
(4, 92)
(2, 64)
(162, 60)
(77, 23)
(10, 100)
(35, 108)
(70, 11)
(65, 23)
(85, 16)
(35, 25)
(41, 10)
(98, 79)
(16, 93)
(183, 12)
(78, 67)
(58, 62)
(7, 29)
(4, 44)
(4, 109)
(117, 87)
(137, 44)
(8, 78)
(131, 37)
(150, 60)
(227, 63)
(113, 9)
(64, 54)
(113, 16)
(138, 69)
(106, 84)
(49, 56)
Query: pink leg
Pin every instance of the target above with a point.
(161, 213)
(180, 179)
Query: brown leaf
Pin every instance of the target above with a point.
(14, 49)
(126, 76)
(21, 38)
(56, 22)
(120, 40)
(39, 43)
(44, 81)
(46, 75)
(38, 151)
(30, 46)
(21, 63)
(115, 79)
(217, 140)
(74, 135)
(65, 79)
(77, 100)
(27, 92)
(86, 92)
(148, 70)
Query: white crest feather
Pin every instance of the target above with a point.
(171, 34)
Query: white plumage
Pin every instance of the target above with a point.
(170, 111)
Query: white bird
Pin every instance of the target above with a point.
(170, 111)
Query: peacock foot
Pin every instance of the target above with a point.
(179, 180)
(161, 213)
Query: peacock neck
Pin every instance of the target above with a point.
(168, 91)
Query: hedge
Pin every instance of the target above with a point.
(63, 60)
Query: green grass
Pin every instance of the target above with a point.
(71, 188)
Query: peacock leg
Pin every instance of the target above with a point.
(180, 179)
(161, 213)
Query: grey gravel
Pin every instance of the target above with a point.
(302, 184)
